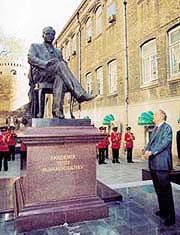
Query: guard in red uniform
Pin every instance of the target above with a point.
(101, 148)
(107, 142)
(11, 138)
(115, 144)
(129, 137)
(4, 150)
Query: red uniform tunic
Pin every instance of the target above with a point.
(101, 144)
(11, 138)
(4, 143)
(115, 140)
(129, 137)
(23, 147)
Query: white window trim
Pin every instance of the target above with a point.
(89, 83)
(74, 46)
(170, 46)
(99, 20)
(89, 30)
(100, 81)
(151, 80)
(112, 89)
(111, 17)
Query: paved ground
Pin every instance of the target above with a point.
(133, 216)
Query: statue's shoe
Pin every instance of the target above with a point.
(85, 97)
(58, 115)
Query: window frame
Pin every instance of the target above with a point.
(170, 46)
(150, 62)
(111, 17)
(89, 83)
(99, 20)
(112, 80)
(100, 81)
(89, 30)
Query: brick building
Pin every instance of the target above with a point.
(127, 52)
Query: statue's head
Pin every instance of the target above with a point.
(49, 34)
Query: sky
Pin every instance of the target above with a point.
(25, 19)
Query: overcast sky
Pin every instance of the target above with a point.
(25, 19)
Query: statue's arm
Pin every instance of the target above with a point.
(33, 58)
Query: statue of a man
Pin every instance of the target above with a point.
(47, 67)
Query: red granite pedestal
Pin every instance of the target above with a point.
(60, 182)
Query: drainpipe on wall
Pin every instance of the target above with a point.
(79, 55)
(126, 84)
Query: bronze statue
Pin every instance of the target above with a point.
(49, 73)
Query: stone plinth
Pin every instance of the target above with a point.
(60, 182)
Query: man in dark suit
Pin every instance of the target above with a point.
(47, 66)
(158, 151)
(178, 143)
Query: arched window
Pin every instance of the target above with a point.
(99, 77)
(89, 30)
(74, 45)
(89, 83)
(112, 75)
(174, 51)
(68, 51)
(149, 61)
(111, 11)
(98, 20)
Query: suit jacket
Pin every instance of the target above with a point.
(178, 143)
(38, 55)
(160, 145)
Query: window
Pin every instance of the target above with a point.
(74, 45)
(89, 30)
(174, 51)
(68, 51)
(111, 11)
(99, 20)
(112, 72)
(149, 62)
(99, 76)
(63, 52)
(89, 83)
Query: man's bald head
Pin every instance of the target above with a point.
(159, 116)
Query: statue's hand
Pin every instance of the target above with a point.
(52, 61)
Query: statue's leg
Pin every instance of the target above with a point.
(71, 106)
(41, 100)
(72, 84)
(58, 97)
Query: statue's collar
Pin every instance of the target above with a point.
(49, 47)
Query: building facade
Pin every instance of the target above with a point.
(127, 52)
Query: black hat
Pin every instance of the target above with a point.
(115, 128)
(128, 128)
(101, 128)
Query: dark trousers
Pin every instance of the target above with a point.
(4, 158)
(11, 152)
(23, 160)
(101, 156)
(115, 153)
(106, 152)
(129, 154)
(178, 143)
(162, 185)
